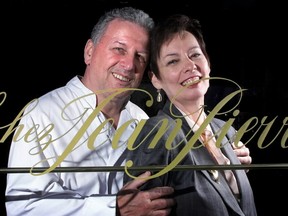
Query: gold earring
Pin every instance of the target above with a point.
(159, 96)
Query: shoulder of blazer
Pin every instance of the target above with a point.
(220, 123)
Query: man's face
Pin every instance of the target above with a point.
(120, 58)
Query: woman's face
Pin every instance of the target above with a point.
(182, 64)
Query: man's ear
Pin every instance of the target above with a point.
(88, 51)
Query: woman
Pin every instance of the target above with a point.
(180, 66)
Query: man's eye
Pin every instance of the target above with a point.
(142, 59)
(119, 49)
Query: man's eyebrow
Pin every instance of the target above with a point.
(119, 42)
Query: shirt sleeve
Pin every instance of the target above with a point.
(52, 193)
(47, 194)
(59, 205)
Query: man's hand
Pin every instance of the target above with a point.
(154, 202)
(243, 153)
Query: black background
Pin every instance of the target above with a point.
(42, 46)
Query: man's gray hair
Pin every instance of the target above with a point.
(130, 14)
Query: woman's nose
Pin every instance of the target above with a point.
(190, 65)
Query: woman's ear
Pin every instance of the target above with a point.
(155, 81)
(150, 74)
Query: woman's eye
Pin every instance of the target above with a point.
(195, 55)
(171, 62)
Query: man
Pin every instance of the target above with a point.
(74, 126)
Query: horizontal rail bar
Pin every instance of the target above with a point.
(144, 168)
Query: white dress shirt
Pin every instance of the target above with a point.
(60, 129)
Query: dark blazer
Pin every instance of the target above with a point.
(196, 192)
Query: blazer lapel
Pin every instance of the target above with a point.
(202, 157)
(240, 174)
